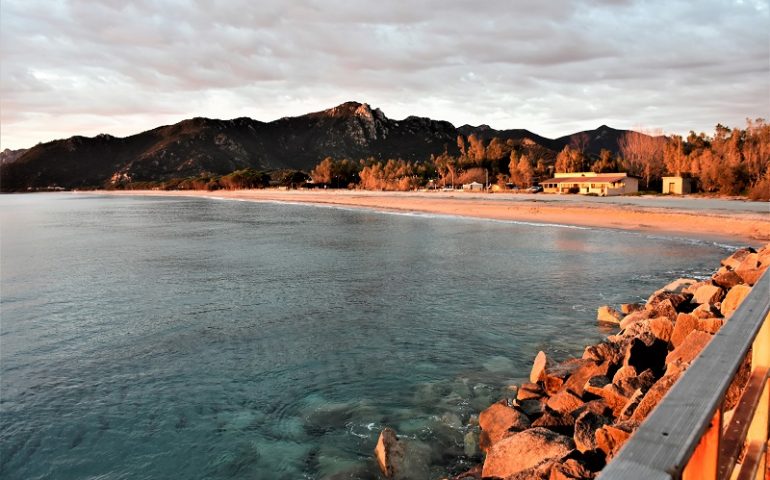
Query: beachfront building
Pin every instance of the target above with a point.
(602, 184)
(473, 186)
(677, 185)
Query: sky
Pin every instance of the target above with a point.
(77, 67)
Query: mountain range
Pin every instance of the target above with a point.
(202, 145)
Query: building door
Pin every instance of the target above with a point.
(671, 187)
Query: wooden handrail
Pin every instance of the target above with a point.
(663, 445)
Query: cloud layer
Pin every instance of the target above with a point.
(555, 67)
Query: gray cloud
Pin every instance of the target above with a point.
(84, 67)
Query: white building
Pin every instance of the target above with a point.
(602, 184)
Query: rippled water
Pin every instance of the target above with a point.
(193, 338)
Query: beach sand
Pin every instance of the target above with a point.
(693, 218)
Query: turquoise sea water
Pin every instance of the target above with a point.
(192, 338)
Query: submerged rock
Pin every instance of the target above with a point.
(401, 460)
(608, 314)
(389, 453)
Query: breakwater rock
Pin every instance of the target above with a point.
(573, 416)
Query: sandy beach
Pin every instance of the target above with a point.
(703, 218)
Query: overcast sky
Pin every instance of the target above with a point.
(555, 67)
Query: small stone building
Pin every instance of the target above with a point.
(677, 185)
(473, 186)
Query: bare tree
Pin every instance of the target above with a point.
(580, 142)
(642, 153)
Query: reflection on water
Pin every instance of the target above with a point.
(190, 338)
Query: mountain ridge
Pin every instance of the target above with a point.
(204, 145)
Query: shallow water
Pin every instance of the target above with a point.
(194, 338)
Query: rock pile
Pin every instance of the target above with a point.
(572, 417)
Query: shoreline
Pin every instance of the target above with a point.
(708, 224)
(572, 418)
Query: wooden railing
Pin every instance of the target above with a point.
(684, 438)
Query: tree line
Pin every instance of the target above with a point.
(729, 162)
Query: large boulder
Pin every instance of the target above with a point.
(610, 394)
(659, 327)
(563, 423)
(538, 367)
(706, 310)
(710, 325)
(654, 396)
(689, 349)
(609, 439)
(607, 314)
(580, 376)
(666, 298)
(737, 257)
(569, 469)
(708, 294)
(633, 401)
(678, 286)
(529, 390)
(598, 406)
(564, 402)
(498, 421)
(604, 352)
(685, 323)
(532, 407)
(634, 317)
(726, 278)
(735, 390)
(586, 425)
(733, 299)
(665, 308)
(626, 308)
(525, 450)
(628, 385)
(624, 372)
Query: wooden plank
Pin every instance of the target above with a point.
(752, 465)
(738, 428)
(667, 439)
(704, 462)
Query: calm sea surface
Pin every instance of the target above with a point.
(171, 338)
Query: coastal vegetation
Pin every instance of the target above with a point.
(729, 162)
